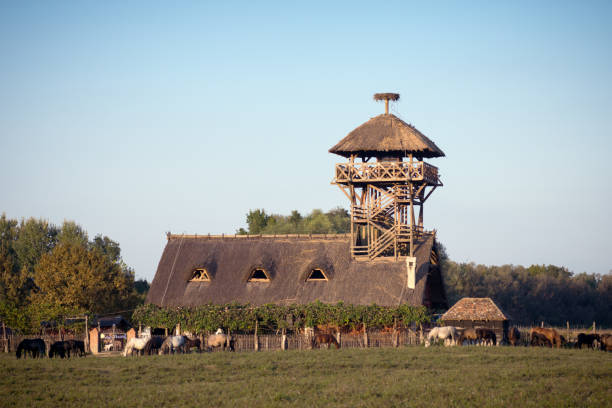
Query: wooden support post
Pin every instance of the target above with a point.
(284, 340)
(166, 331)
(6, 349)
(228, 339)
(139, 329)
(568, 330)
(365, 336)
(113, 337)
(86, 334)
(339, 337)
(395, 339)
(594, 327)
(255, 339)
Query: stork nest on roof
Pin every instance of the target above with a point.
(386, 96)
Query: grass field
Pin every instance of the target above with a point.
(409, 376)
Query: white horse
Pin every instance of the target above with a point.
(172, 343)
(442, 333)
(217, 340)
(137, 343)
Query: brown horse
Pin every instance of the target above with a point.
(514, 336)
(468, 335)
(324, 338)
(191, 343)
(606, 342)
(486, 337)
(551, 335)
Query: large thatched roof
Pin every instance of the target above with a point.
(288, 261)
(474, 309)
(386, 135)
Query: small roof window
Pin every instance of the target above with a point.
(316, 274)
(200, 275)
(259, 275)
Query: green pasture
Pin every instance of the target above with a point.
(409, 376)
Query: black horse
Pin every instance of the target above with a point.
(153, 345)
(35, 347)
(61, 349)
(77, 347)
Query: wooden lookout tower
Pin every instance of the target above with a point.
(385, 179)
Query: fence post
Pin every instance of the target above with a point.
(365, 336)
(6, 350)
(86, 334)
(339, 337)
(568, 330)
(394, 340)
(284, 340)
(594, 327)
(255, 339)
(542, 324)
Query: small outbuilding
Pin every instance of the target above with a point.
(109, 334)
(478, 312)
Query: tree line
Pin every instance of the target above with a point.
(538, 293)
(335, 221)
(49, 272)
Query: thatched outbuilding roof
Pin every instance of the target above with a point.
(288, 261)
(475, 309)
(386, 135)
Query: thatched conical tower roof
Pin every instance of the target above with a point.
(386, 135)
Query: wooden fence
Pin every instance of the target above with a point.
(295, 341)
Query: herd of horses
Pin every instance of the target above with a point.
(449, 335)
(149, 345)
(36, 348)
(538, 336)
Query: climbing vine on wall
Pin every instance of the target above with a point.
(242, 317)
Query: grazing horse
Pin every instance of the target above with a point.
(77, 347)
(442, 333)
(538, 340)
(153, 345)
(324, 338)
(468, 335)
(486, 337)
(550, 334)
(218, 340)
(61, 349)
(514, 335)
(172, 343)
(135, 343)
(191, 343)
(590, 340)
(35, 347)
(605, 341)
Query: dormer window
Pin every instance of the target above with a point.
(316, 275)
(259, 275)
(200, 275)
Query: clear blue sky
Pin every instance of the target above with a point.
(137, 118)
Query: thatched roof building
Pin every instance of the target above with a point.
(478, 312)
(196, 270)
(387, 135)
(387, 259)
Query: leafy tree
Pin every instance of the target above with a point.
(81, 278)
(35, 238)
(72, 233)
(336, 220)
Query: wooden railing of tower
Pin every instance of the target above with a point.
(386, 171)
(386, 211)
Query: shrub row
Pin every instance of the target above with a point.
(242, 317)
